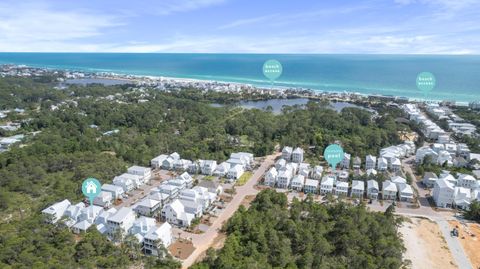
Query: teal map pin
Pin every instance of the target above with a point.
(334, 155)
(426, 82)
(91, 188)
(272, 69)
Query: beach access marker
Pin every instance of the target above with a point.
(272, 69)
(334, 154)
(426, 82)
(91, 188)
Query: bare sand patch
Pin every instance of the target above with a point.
(469, 237)
(426, 247)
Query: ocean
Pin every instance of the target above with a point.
(457, 77)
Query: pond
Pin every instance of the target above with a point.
(277, 104)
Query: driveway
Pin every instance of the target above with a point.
(202, 242)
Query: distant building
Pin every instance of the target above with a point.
(346, 161)
(287, 153)
(297, 155)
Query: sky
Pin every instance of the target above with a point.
(242, 26)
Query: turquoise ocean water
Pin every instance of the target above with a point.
(458, 77)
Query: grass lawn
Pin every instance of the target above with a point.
(244, 178)
(208, 178)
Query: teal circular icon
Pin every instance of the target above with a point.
(91, 188)
(334, 155)
(426, 82)
(272, 69)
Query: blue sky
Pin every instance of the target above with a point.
(242, 26)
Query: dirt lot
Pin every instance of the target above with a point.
(426, 247)
(181, 249)
(247, 200)
(469, 236)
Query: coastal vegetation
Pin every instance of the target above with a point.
(270, 234)
(68, 139)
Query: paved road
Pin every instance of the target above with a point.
(202, 242)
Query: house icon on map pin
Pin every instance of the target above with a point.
(91, 187)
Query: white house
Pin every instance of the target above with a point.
(297, 155)
(175, 213)
(370, 162)
(283, 178)
(405, 192)
(168, 163)
(147, 207)
(287, 153)
(466, 181)
(358, 188)
(357, 163)
(120, 222)
(181, 165)
(372, 189)
(144, 172)
(311, 186)
(346, 161)
(158, 161)
(280, 163)
(161, 197)
(115, 190)
(396, 165)
(382, 164)
(448, 177)
(389, 190)
(326, 186)
(462, 198)
(246, 158)
(372, 172)
(81, 226)
(168, 189)
(271, 177)
(341, 188)
(429, 179)
(156, 237)
(209, 167)
(443, 192)
(425, 151)
(235, 172)
(444, 157)
(72, 213)
(143, 225)
(398, 180)
(212, 186)
(222, 169)
(90, 213)
(104, 199)
(343, 175)
(187, 178)
(55, 212)
(304, 169)
(125, 181)
(317, 172)
(101, 220)
(298, 182)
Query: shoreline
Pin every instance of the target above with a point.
(91, 73)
